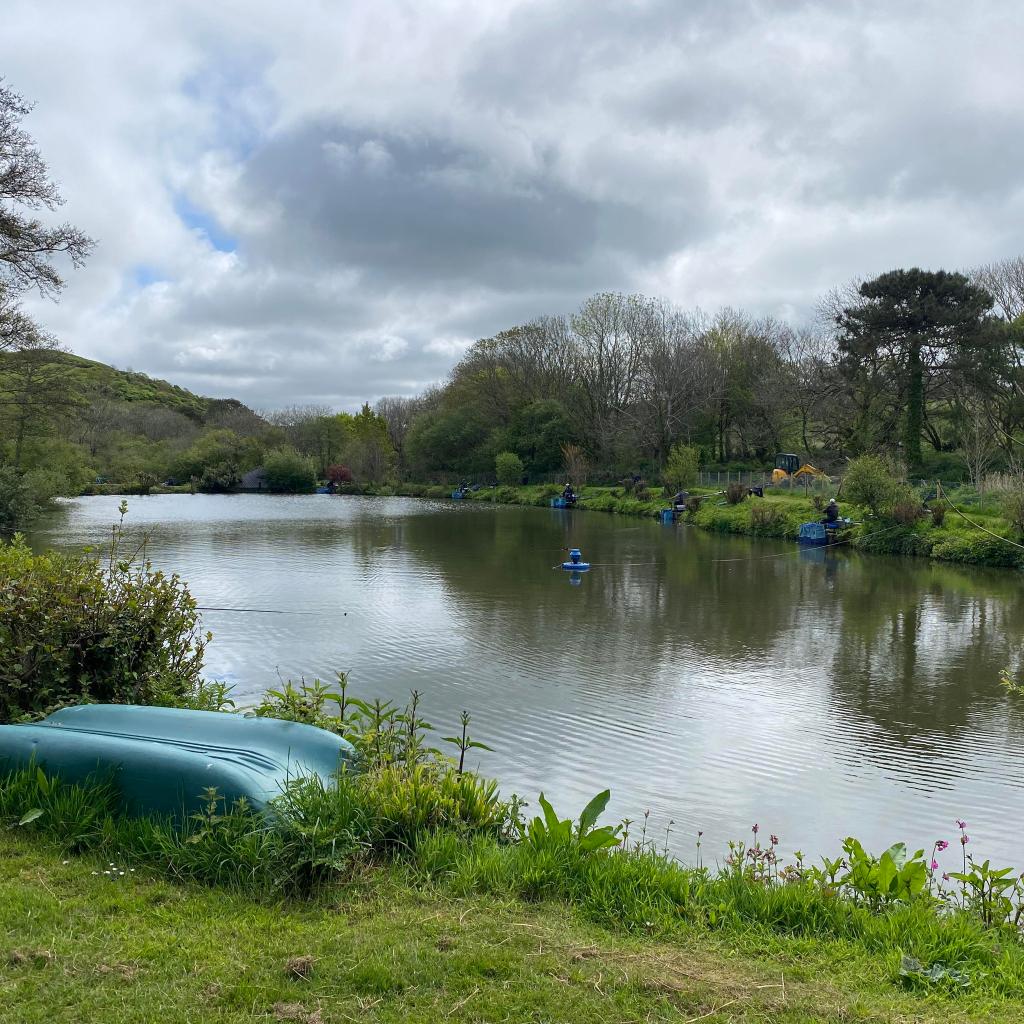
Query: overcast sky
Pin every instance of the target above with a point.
(327, 202)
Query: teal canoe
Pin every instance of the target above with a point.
(162, 760)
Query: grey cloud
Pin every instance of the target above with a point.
(416, 209)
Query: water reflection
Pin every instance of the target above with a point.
(715, 680)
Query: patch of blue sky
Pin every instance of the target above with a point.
(202, 220)
(143, 274)
(239, 104)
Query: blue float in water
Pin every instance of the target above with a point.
(576, 563)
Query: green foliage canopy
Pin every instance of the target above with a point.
(289, 472)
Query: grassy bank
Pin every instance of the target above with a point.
(80, 946)
(778, 515)
(410, 889)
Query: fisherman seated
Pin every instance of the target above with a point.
(679, 500)
(831, 517)
(568, 495)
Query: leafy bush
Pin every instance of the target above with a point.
(73, 629)
(215, 449)
(886, 879)
(681, 466)
(25, 496)
(766, 518)
(905, 510)
(223, 476)
(693, 503)
(869, 482)
(547, 832)
(288, 472)
(18, 505)
(735, 493)
(508, 467)
(938, 511)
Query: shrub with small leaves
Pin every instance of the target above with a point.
(75, 628)
(870, 481)
(906, 511)
(766, 518)
(735, 493)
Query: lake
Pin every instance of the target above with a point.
(714, 681)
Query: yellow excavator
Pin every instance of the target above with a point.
(789, 468)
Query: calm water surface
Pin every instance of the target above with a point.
(715, 681)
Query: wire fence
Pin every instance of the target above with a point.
(807, 484)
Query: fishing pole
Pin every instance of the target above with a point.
(257, 611)
(977, 526)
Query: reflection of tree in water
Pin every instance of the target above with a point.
(920, 646)
(913, 648)
(636, 617)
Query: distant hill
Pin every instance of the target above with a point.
(90, 380)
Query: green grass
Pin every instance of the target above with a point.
(423, 834)
(78, 946)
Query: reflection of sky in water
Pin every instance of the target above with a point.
(697, 676)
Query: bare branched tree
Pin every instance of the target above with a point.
(17, 329)
(27, 245)
(978, 445)
(398, 412)
(1004, 281)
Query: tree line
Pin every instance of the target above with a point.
(924, 366)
